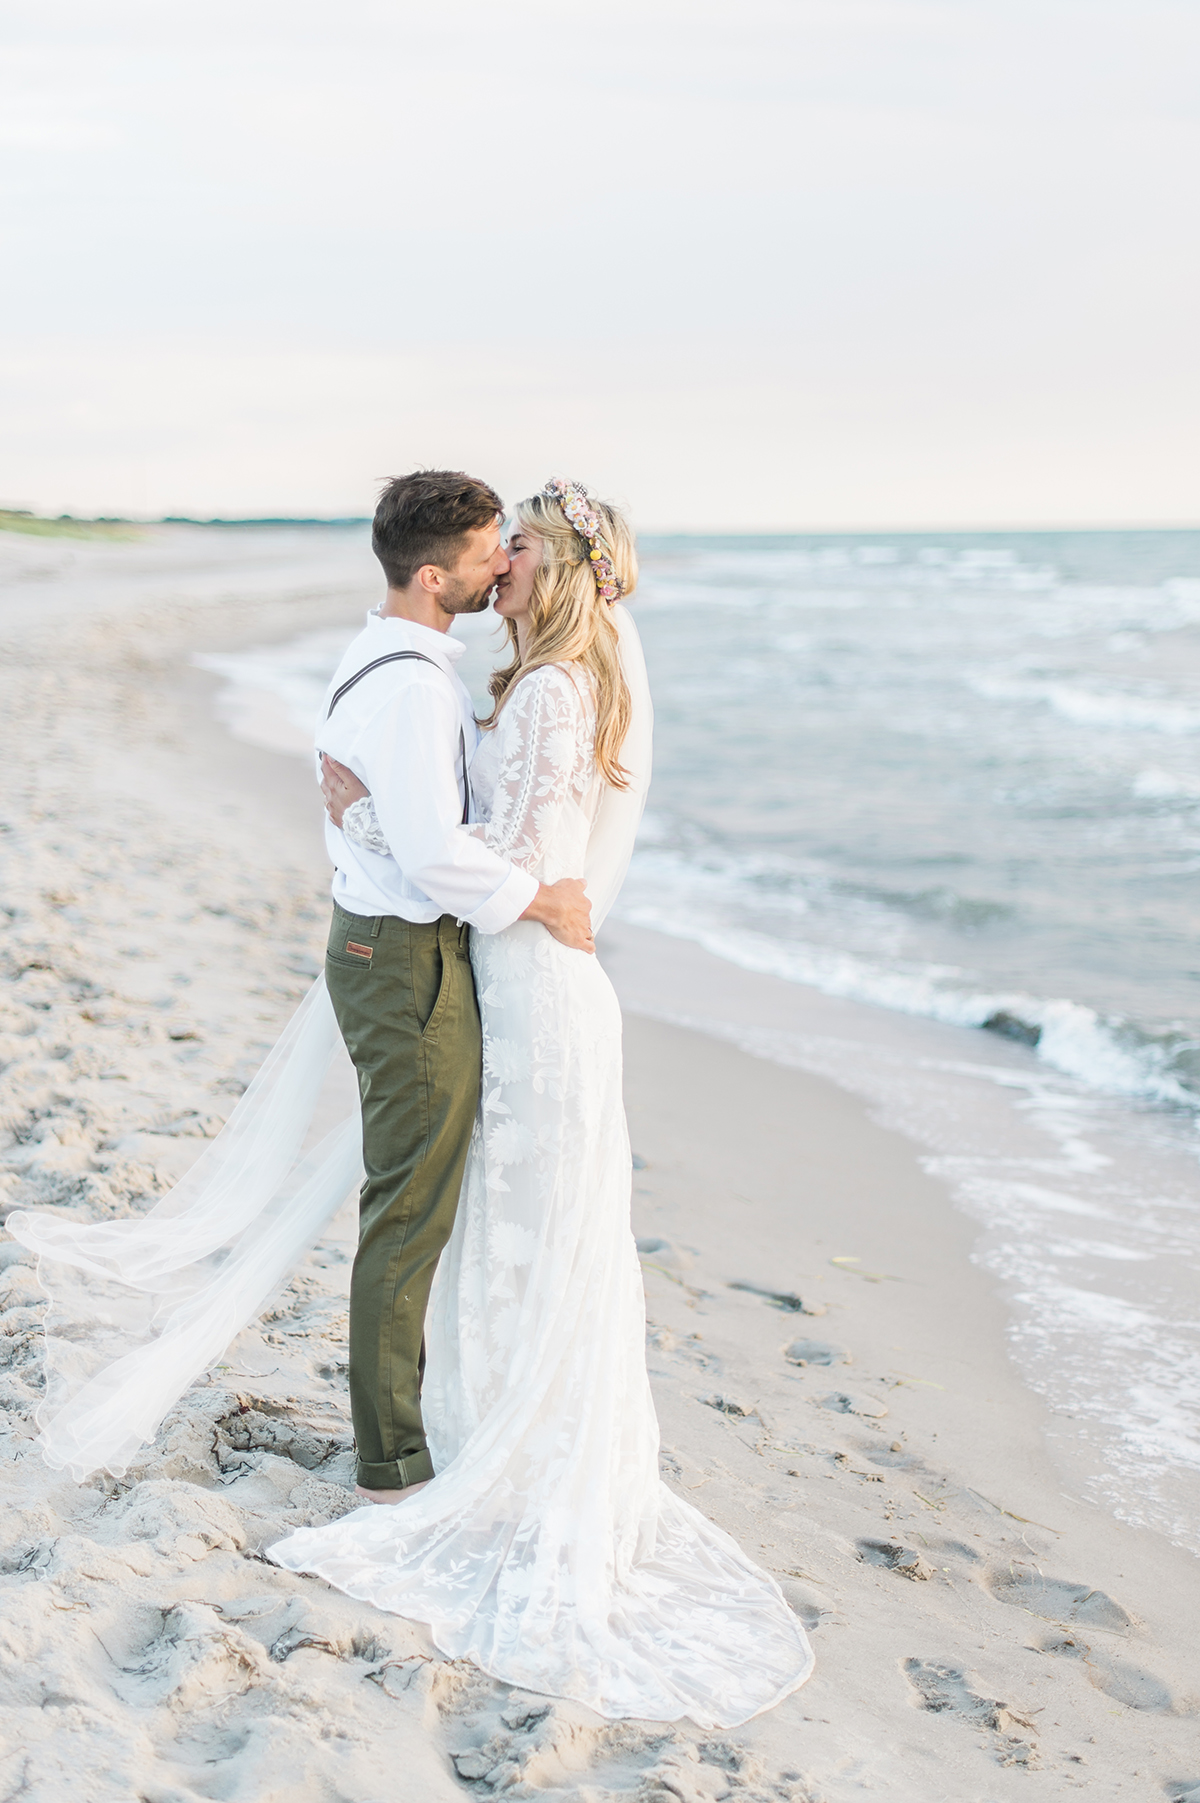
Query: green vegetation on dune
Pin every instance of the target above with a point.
(65, 526)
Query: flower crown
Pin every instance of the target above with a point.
(575, 502)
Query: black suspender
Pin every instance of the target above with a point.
(393, 657)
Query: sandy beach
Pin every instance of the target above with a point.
(830, 1355)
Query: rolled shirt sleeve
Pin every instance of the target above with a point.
(409, 751)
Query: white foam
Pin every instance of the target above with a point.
(1073, 1038)
(1165, 785)
(1099, 1249)
(1085, 706)
(1054, 1200)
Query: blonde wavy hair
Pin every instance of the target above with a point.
(570, 624)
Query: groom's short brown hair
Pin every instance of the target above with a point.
(425, 518)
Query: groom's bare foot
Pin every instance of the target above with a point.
(390, 1496)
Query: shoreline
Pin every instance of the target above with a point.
(962, 1650)
(1027, 1154)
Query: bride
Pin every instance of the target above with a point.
(546, 1548)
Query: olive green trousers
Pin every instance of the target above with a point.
(405, 1001)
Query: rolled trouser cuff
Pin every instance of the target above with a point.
(396, 1474)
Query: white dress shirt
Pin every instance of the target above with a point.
(401, 730)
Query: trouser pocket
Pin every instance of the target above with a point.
(452, 965)
(429, 977)
(353, 942)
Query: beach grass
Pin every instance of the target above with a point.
(15, 520)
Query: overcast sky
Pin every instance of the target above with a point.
(747, 263)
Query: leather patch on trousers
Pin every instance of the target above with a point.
(360, 951)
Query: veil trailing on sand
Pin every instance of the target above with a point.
(139, 1309)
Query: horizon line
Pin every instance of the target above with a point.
(975, 529)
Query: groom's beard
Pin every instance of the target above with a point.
(459, 597)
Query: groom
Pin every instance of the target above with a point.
(397, 967)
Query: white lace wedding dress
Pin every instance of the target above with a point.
(547, 1549)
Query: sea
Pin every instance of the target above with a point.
(952, 778)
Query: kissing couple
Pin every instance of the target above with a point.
(498, 1387)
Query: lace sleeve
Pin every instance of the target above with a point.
(545, 749)
(360, 824)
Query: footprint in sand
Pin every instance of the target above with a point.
(1056, 1598)
(803, 1604)
(955, 1549)
(852, 1402)
(816, 1352)
(666, 1254)
(894, 1557)
(526, 1744)
(192, 1659)
(945, 1690)
(895, 1457)
(1127, 1684)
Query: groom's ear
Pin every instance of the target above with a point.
(429, 577)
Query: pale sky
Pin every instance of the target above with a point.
(756, 263)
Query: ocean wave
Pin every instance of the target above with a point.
(296, 674)
(1084, 706)
(761, 565)
(1165, 785)
(1105, 1053)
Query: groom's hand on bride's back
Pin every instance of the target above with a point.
(339, 786)
(565, 911)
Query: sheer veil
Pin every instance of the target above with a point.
(610, 843)
(141, 1308)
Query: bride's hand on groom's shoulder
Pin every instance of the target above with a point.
(339, 786)
(565, 911)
